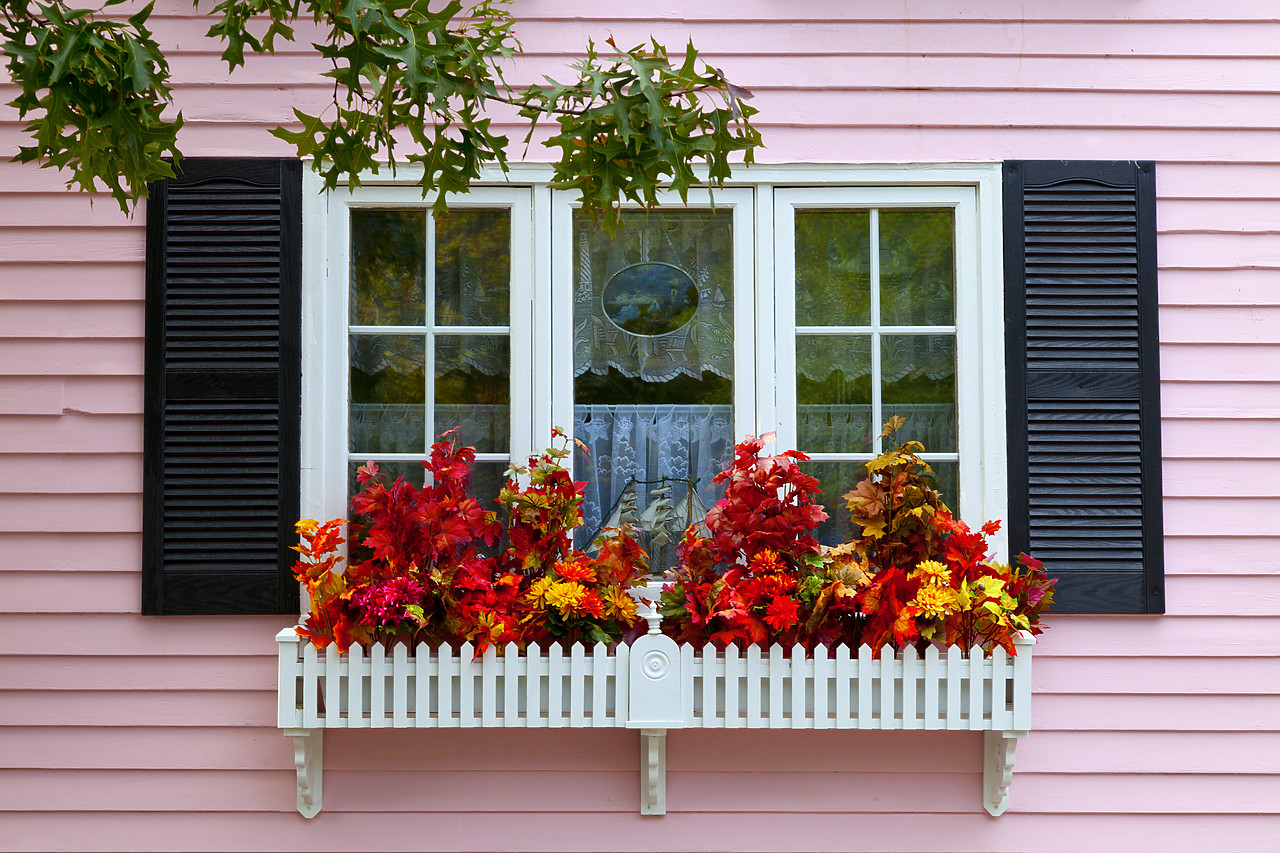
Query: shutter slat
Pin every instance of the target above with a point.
(223, 364)
(1083, 380)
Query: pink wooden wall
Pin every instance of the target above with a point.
(1150, 733)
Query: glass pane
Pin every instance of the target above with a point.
(473, 267)
(833, 267)
(388, 472)
(388, 394)
(919, 384)
(917, 267)
(653, 354)
(836, 479)
(487, 479)
(946, 477)
(388, 267)
(833, 393)
(473, 390)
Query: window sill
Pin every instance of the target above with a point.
(653, 685)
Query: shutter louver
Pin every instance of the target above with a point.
(1082, 349)
(222, 388)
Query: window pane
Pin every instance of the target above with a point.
(473, 389)
(917, 267)
(388, 471)
(833, 267)
(946, 476)
(473, 267)
(388, 267)
(919, 384)
(836, 479)
(388, 394)
(653, 352)
(833, 393)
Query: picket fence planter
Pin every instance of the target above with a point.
(653, 685)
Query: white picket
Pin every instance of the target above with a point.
(931, 675)
(799, 672)
(910, 677)
(622, 680)
(732, 679)
(399, 685)
(885, 672)
(977, 683)
(821, 682)
(466, 686)
(844, 681)
(489, 687)
(708, 663)
(310, 713)
(555, 682)
(356, 683)
(754, 677)
(444, 686)
(599, 684)
(577, 677)
(953, 676)
(533, 672)
(864, 687)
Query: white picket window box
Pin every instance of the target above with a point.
(654, 685)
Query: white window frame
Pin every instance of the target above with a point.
(542, 358)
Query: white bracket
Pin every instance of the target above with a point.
(997, 769)
(653, 771)
(308, 758)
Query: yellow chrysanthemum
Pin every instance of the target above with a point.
(620, 605)
(933, 573)
(537, 594)
(935, 602)
(566, 596)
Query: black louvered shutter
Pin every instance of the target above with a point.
(221, 454)
(1083, 380)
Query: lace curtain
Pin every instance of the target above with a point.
(648, 442)
(699, 243)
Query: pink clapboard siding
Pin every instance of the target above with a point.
(119, 732)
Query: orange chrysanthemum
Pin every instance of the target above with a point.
(766, 561)
(782, 613)
(576, 570)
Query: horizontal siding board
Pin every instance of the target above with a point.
(752, 832)
(700, 791)
(72, 552)
(112, 673)
(70, 748)
(85, 591)
(155, 707)
(1240, 676)
(107, 319)
(71, 357)
(45, 473)
(1209, 399)
(1092, 754)
(23, 396)
(1200, 437)
(108, 634)
(1155, 713)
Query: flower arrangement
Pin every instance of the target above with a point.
(418, 570)
(916, 574)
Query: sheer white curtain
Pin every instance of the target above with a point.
(648, 442)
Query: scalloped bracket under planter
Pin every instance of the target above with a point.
(654, 685)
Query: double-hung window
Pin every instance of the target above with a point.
(1006, 311)
(813, 312)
